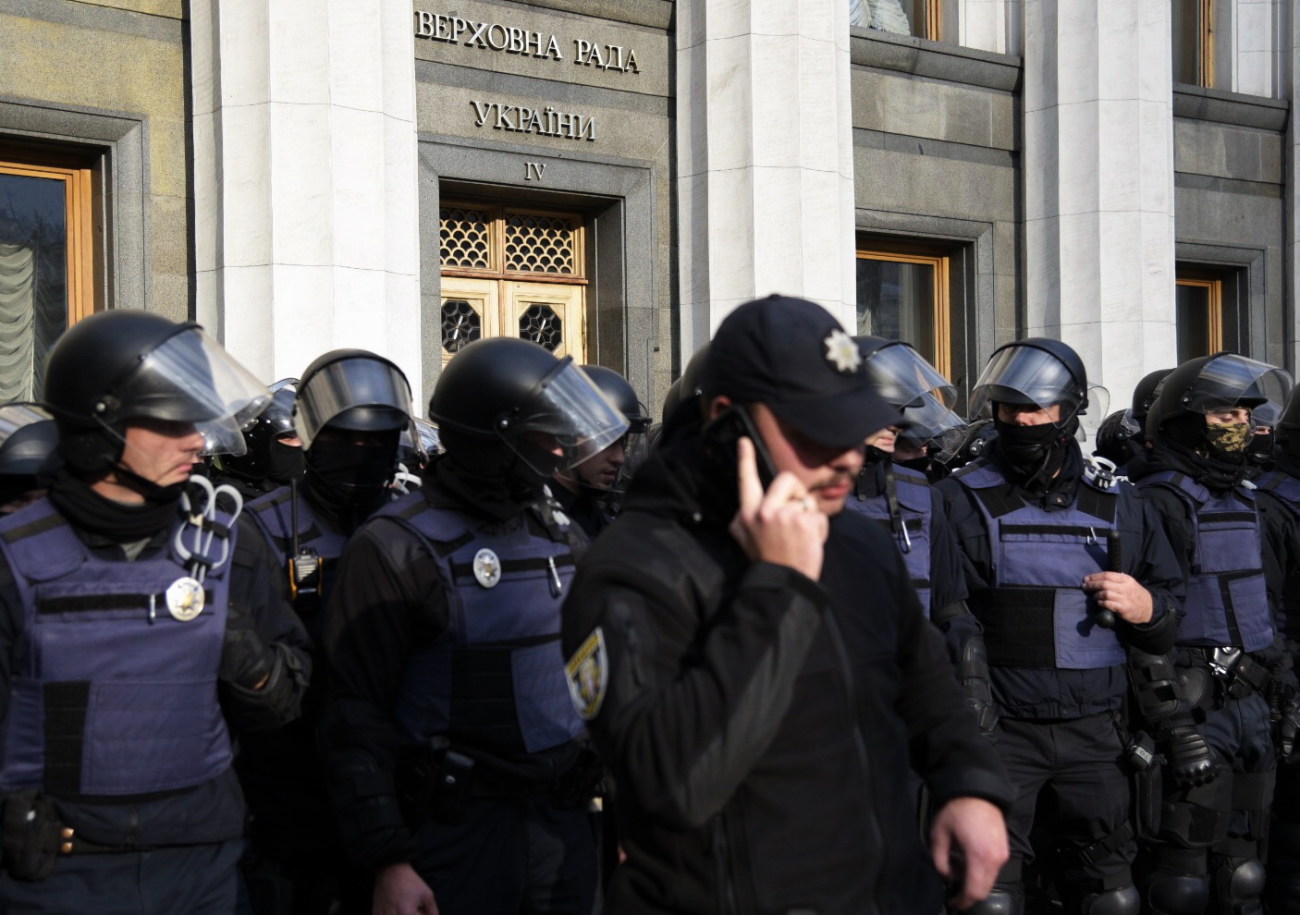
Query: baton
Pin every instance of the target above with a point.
(1115, 563)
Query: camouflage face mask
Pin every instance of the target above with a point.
(1230, 438)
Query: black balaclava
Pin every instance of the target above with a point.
(346, 482)
(285, 463)
(122, 522)
(1260, 448)
(1033, 455)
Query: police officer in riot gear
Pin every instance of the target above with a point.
(141, 628)
(1231, 547)
(456, 762)
(1067, 570)
(273, 451)
(1281, 484)
(350, 410)
(589, 493)
(902, 500)
(29, 442)
(1121, 435)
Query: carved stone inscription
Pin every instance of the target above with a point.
(509, 39)
(544, 122)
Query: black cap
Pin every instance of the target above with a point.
(793, 356)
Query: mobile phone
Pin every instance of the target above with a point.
(728, 428)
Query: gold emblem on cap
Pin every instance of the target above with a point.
(842, 352)
(487, 568)
(185, 599)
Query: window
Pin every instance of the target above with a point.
(904, 294)
(1199, 314)
(1193, 35)
(46, 257)
(920, 18)
(508, 271)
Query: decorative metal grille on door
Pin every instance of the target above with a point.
(512, 271)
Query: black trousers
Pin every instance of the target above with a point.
(194, 879)
(511, 857)
(1082, 761)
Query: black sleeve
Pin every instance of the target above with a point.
(1150, 559)
(255, 588)
(695, 694)
(969, 533)
(386, 596)
(947, 578)
(1281, 540)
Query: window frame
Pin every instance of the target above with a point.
(1214, 282)
(940, 259)
(78, 179)
(1205, 34)
(497, 237)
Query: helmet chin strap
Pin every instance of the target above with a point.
(151, 491)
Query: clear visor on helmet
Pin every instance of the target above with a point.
(1231, 380)
(928, 418)
(344, 385)
(1129, 425)
(191, 378)
(1025, 375)
(13, 416)
(566, 412)
(901, 375)
(278, 414)
(1098, 410)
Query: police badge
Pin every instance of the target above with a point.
(487, 568)
(588, 675)
(185, 599)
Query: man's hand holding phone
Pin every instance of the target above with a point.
(782, 525)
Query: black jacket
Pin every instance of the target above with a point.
(1051, 693)
(390, 598)
(759, 724)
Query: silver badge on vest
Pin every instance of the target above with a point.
(487, 568)
(185, 599)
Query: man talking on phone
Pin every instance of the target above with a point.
(754, 664)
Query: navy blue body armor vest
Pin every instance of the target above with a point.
(273, 513)
(495, 680)
(911, 530)
(1227, 596)
(112, 696)
(1036, 614)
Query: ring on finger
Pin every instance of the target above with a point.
(809, 504)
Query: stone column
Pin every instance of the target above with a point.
(1099, 185)
(1290, 47)
(306, 219)
(765, 157)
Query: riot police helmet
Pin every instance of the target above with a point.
(1036, 371)
(354, 390)
(29, 440)
(122, 365)
(904, 378)
(505, 396)
(619, 391)
(1208, 383)
(261, 435)
(418, 444)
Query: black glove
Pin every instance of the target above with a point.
(973, 672)
(1190, 760)
(246, 661)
